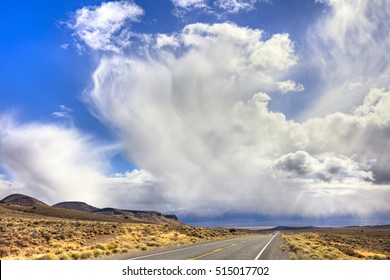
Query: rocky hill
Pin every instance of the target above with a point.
(23, 200)
(76, 205)
(82, 211)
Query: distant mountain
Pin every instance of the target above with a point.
(152, 216)
(280, 228)
(76, 205)
(293, 228)
(23, 200)
(109, 211)
(172, 217)
(77, 210)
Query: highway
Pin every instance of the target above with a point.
(258, 247)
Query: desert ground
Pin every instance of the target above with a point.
(349, 243)
(27, 235)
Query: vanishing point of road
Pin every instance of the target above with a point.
(257, 247)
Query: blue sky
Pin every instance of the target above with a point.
(262, 110)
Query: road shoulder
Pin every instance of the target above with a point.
(274, 251)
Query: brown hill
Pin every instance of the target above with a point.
(23, 200)
(76, 205)
(150, 216)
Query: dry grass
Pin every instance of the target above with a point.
(335, 245)
(34, 237)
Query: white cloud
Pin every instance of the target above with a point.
(164, 40)
(219, 8)
(50, 162)
(235, 6)
(289, 85)
(106, 27)
(299, 162)
(375, 106)
(197, 117)
(55, 164)
(325, 167)
(276, 53)
(187, 4)
(138, 190)
(183, 7)
(135, 177)
(347, 47)
(63, 113)
(227, 6)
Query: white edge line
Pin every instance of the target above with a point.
(165, 252)
(265, 247)
(176, 250)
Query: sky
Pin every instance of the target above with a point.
(226, 112)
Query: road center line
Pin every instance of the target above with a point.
(217, 250)
(212, 252)
(258, 256)
(171, 251)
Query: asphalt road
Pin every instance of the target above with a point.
(260, 247)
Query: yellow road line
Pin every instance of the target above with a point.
(217, 250)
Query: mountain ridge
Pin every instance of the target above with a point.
(83, 211)
(76, 205)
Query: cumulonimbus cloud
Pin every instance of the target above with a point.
(197, 116)
(194, 111)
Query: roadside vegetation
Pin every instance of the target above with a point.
(29, 236)
(345, 244)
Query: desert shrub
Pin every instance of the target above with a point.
(98, 253)
(74, 255)
(112, 246)
(48, 257)
(86, 255)
(28, 254)
(305, 251)
(128, 246)
(100, 246)
(61, 237)
(46, 236)
(293, 246)
(327, 256)
(15, 250)
(292, 256)
(4, 252)
(152, 244)
(64, 257)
